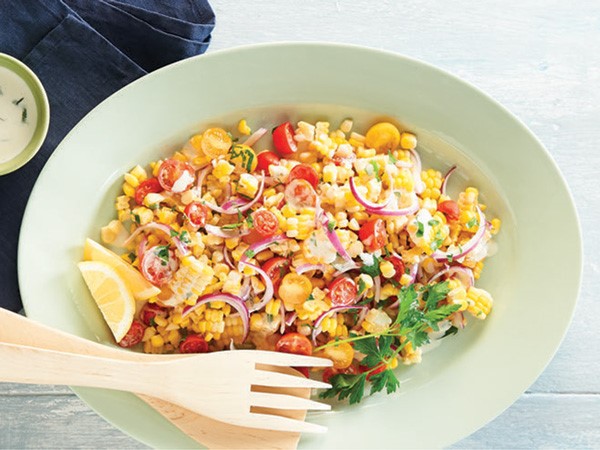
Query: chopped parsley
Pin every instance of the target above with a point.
(393, 159)
(162, 251)
(420, 229)
(375, 169)
(24, 115)
(249, 253)
(330, 226)
(361, 286)
(372, 269)
(136, 218)
(16, 102)
(232, 226)
(472, 223)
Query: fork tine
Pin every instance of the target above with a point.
(279, 423)
(289, 359)
(282, 401)
(268, 378)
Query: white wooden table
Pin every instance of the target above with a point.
(541, 59)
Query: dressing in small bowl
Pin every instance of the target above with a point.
(24, 114)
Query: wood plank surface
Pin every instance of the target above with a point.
(540, 59)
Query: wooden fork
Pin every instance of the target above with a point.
(218, 384)
(16, 329)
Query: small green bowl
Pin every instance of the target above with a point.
(43, 117)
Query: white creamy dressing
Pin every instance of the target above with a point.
(18, 115)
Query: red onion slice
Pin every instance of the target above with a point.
(464, 274)
(290, 318)
(376, 289)
(201, 176)
(346, 267)
(246, 288)
(446, 177)
(254, 137)
(227, 257)
(317, 326)
(141, 249)
(233, 300)
(282, 314)
(469, 246)
(368, 204)
(242, 208)
(334, 239)
(303, 268)
(416, 172)
(234, 203)
(269, 289)
(223, 233)
(259, 247)
(411, 209)
(172, 234)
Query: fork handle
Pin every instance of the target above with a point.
(22, 364)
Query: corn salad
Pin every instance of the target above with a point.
(305, 248)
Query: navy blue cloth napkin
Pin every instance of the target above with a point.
(83, 51)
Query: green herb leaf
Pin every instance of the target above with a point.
(24, 115)
(393, 159)
(386, 379)
(434, 293)
(346, 385)
(450, 331)
(331, 226)
(420, 229)
(185, 237)
(231, 226)
(361, 286)
(375, 169)
(249, 253)
(472, 223)
(136, 218)
(373, 269)
(173, 233)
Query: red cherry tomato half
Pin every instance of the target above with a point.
(196, 214)
(380, 368)
(265, 159)
(283, 139)
(159, 264)
(300, 194)
(303, 371)
(194, 343)
(330, 371)
(265, 222)
(373, 234)
(150, 311)
(151, 185)
(134, 335)
(304, 172)
(343, 291)
(450, 209)
(276, 268)
(294, 343)
(175, 176)
(399, 266)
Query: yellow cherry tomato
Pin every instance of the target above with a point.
(342, 354)
(243, 157)
(215, 142)
(294, 289)
(383, 136)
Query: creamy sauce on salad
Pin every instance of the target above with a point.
(18, 115)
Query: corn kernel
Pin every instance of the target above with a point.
(387, 269)
(157, 341)
(408, 141)
(244, 128)
(128, 190)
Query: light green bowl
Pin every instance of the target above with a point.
(462, 384)
(43, 117)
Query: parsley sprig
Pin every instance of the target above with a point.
(417, 313)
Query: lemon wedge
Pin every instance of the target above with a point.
(111, 295)
(141, 288)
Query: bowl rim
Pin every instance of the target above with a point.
(43, 120)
